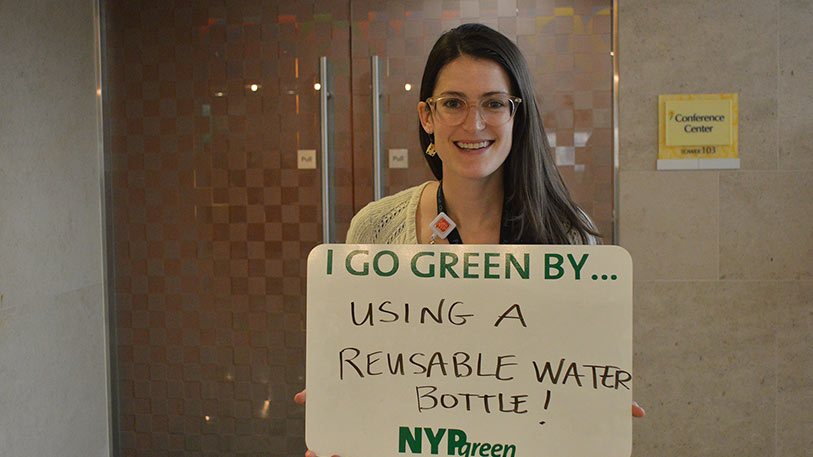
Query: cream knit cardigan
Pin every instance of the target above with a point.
(391, 220)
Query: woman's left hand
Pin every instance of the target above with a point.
(637, 411)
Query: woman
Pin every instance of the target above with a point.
(484, 141)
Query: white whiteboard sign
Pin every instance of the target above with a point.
(486, 350)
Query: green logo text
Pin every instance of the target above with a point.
(456, 443)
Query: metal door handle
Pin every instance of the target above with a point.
(328, 232)
(378, 186)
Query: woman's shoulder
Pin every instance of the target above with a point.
(388, 220)
(575, 236)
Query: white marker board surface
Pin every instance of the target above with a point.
(489, 350)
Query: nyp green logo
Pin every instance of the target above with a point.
(411, 441)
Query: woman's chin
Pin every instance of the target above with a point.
(472, 172)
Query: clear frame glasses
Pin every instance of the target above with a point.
(494, 109)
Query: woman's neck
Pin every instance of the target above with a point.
(475, 206)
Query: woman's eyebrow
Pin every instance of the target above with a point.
(462, 95)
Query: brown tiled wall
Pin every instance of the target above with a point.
(212, 221)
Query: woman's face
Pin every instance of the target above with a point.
(473, 149)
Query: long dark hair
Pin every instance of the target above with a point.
(539, 207)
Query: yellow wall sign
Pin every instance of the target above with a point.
(697, 131)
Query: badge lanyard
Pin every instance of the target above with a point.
(444, 227)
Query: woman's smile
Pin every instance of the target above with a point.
(473, 145)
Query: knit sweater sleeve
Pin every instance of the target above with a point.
(575, 238)
(390, 220)
(361, 228)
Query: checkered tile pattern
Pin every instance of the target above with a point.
(212, 221)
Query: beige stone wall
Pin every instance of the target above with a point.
(723, 259)
(53, 349)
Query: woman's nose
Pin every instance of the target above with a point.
(474, 119)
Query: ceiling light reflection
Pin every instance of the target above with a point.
(264, 410)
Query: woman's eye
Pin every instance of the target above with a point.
(495, 104)
(453, 103)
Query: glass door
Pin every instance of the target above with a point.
(214, 181)
(214, 174)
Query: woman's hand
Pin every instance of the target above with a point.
(310, 453)
(299, 399)
(637, 411)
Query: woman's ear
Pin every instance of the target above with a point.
(426, 118)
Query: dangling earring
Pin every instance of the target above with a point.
(430, 150)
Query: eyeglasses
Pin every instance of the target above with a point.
(494, 109)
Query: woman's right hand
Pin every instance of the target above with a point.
(299, 399)
(310, 453)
